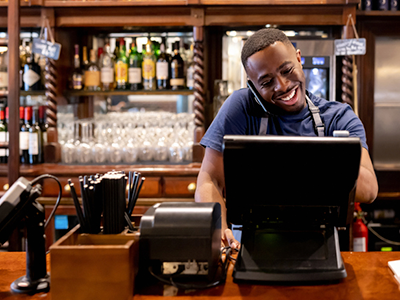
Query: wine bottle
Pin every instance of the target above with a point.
(43, 125)
(35, 139)
(77, 74)
(121, 67)
(149, 68)
(190, 70)
(162, 69)
(24, 135)
(85, 61)
(135, 68)
(3, 72)
(92, 74)
(32, 73)
(3, 135)
(107, 70)
(177, 74)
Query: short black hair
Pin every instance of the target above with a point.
(261, 40)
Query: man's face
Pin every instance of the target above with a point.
(278, 76)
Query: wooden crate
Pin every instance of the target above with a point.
(94, 266)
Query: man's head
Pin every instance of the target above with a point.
(274, 66)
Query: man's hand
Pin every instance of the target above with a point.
(229, 240)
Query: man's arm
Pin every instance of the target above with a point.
(210, 186)
(367, 185)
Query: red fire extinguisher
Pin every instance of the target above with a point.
(360, 231)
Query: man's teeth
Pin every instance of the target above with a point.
(290, 96)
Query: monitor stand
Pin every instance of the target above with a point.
(289, 255)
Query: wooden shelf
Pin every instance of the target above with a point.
(70, 93)
(24, 93)
(378, 13)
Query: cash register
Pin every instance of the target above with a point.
(290, 194)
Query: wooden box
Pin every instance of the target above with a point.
(94, 266)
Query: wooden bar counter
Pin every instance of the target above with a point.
(369, 278)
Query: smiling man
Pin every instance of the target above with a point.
(279, 105)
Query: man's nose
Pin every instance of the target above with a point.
(282, 83)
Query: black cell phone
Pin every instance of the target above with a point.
(256, 94)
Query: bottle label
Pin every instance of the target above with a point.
(149, 69)
(162, 70)
(92, 78)
(107, 75)
(3, 139)
(44, 134)
(121, 72)
(189, 77)
(24, 140)
(135, 75)
(33, 143)
(31, 77)
(3, 80)
(77, 82)
(359, 244)
(177, 82)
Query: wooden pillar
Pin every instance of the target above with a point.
(199, 98)
(52, 150)
(199, 94)
(13, 24)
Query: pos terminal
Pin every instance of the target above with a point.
(290, 194)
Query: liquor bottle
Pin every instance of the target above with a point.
(190, 70)
(43, 122)
(85, 61)
(116, 50)
(77, 74)
(35, 139)
(107, 70)
(149, 68)
(7, 134)
(31, 77)
(3, 72)
(121, 67)
(24, 135)
(177, 75)
(3, 135)
(162, 69)
(92, 74)
(135, 69)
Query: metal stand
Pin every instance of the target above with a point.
(36, 279)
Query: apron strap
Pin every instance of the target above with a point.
(318, 124)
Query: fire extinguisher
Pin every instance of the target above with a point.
(360, 231)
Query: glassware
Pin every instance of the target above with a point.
(84, 149)
(99, 149)
(68, 149)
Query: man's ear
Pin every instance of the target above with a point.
(298, 55)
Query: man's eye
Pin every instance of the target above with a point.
(266, 83)
(288, 71)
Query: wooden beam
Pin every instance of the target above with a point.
(13, 89)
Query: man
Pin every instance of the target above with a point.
(274, 67)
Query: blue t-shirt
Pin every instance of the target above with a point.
(241, 115)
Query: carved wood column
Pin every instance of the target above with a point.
(347, 86)
(199, 95)
(52, 151)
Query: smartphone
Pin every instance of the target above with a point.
(256, 94)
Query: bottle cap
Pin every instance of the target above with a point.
(21, 112)
(42, 112)
(28, 113)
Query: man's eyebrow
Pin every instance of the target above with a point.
(261, 78)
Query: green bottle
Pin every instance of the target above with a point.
(135, 68)
(121, 67)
